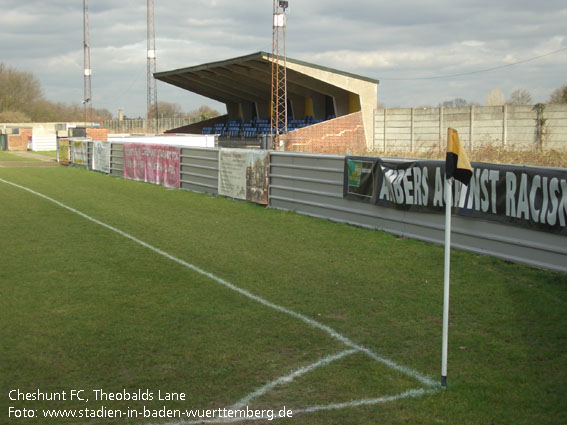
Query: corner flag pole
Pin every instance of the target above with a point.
(457, 166)
(446, 278)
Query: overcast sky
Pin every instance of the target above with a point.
(406, 44)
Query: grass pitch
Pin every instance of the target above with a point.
(83, 307)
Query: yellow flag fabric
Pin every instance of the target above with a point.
(457, 164)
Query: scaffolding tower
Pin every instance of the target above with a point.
(152, 107)
(87, 71)
(279, 73)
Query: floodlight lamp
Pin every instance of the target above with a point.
(284, 4)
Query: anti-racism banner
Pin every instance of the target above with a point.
(530, 197)
(101, 156)
(158, 164)
(244, 174)
(64, 151)
(80, 153)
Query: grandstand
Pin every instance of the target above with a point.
(316, 94)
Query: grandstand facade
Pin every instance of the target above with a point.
(316, 94)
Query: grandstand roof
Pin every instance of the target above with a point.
(248, 78)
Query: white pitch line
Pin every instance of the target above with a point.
(290, 377)
(313, 323)
(346, 341)
(418, 392)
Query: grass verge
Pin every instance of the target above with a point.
(494, 154)
(51, 154)
(12, 157)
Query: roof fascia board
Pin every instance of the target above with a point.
(268, 56)
(210, 65)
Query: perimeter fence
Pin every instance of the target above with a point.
(516, 213)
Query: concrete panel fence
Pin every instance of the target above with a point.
(312, 184)
(539, 127)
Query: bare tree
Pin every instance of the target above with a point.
(455, 103)
(21, 100)
(206, 112)
(559, 95)
(14, 117)
(203, 113)
(495, 98)
(520, 97)
(18, 90)
(167, 110)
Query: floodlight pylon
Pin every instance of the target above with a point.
(152, 107)
(279, 102)
(87, 71)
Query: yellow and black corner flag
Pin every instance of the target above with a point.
(457, 163)
(457, 166)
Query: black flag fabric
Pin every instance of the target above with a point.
(457, 163)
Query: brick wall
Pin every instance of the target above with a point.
(98, 133)
(343, 135)
(19, 142)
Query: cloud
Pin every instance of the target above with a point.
(408, 39)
